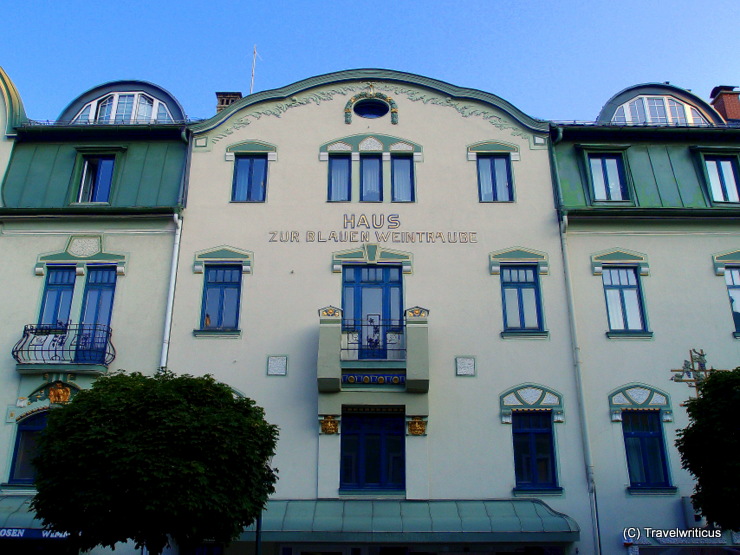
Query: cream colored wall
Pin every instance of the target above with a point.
(468, 451)
(139, 302)
(687, 307)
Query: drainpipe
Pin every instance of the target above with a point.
(170, 295)
(577, 367)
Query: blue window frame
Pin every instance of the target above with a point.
(97, 178)
(372, 303)
(608, 177)
(60, 284)
(534, 455)
(373, 452)
(97, 308)
(494, 178)
(732, 278)
(371, 178)
(22, 470)
(722, 172)
(645, 448)
(250, 178)
(340, 178)
(624, 302)
(221, 293)
(402, 179)
(521, 298)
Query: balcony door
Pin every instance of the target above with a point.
(97, 305)
(372, 302)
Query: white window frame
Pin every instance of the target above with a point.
(92, 117)
(690, 112)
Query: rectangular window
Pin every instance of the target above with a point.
(97, 178)
(371, 178)
(373, 451)
(402, 178)
(340, 178)
(97, 309)
(60, 284)
(607, 177)
(521, 297)
(534, 456)
(723, 178)
(494, 178)
(732, 277)
(250, 178)
(643, 442)
(623, 300)
(372, 303)
(221, 293)
(22, 470)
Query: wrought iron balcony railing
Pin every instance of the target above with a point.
(373, 339)
(65, 344)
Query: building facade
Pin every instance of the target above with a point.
(462, 319)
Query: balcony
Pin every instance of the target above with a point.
(71, 344)
(373, 353)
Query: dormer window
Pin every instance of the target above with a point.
(657, 110)
(124, 108)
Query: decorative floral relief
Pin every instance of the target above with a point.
(638, 394)
(620, 399)
(549, 399)
(401, 147)
(414, 95)
(83, 247)
(340, 146)
(530, 395)
(511, 400)
(371, 143)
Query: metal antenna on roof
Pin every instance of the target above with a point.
(254, 63)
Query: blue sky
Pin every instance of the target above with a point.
(556, 59)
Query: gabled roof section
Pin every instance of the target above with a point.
(178, 114)
(657, 89)
(451, 92)
(15, 113)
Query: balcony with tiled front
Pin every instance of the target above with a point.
(373, 354)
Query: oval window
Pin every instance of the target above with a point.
(371, 108)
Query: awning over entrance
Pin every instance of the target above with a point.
(397, 520)
(18, 521)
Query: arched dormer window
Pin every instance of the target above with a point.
(124, 108)
(658, 110)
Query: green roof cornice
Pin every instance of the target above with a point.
(84, 210)
(614, 213)
(387, 75)
(16, 114)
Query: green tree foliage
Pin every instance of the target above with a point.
(152, 459)
(710, 448)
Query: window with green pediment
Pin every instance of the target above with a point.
(371, 168)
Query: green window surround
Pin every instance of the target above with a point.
(96, 173)
(371, 168)
(608, 175)
(494, 169)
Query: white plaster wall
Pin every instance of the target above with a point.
(687, 307)
(139, 302)
(468, 451)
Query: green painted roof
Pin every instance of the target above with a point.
(42, 175)
(391, 520)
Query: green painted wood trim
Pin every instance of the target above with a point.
(353, 141)
(529, 492)
(15, 112)
(723, 259)
(365, 75)
(251, 146)
(225, 254)
(531, 396)
(372, 253)
(518, 255)
(642, 397)
(373, 364)
(585, 150)
(629, 334)
(223, 334)
(66, 368)
(668, 490)
(492, 146)
(619, 257)
(525, 334)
